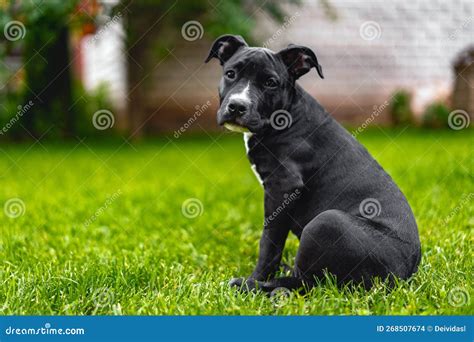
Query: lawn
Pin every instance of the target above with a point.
(104, 232)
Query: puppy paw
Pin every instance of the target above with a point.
(244, 285)
(236, 282)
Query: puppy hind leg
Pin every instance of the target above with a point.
(348, 247)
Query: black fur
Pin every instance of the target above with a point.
(325, 172)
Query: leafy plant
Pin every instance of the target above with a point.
(400, 109)
(86, 104)
(436, 116)
(46, 55)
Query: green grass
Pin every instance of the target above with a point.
(141, 255)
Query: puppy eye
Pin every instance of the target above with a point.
(271, 83)
(230, 74)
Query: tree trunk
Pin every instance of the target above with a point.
(143, 30)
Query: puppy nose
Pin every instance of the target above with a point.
(236, 107)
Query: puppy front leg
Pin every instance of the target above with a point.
(272, 242)
(279, 199)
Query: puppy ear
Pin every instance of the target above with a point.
(299, 60)
(224, 47)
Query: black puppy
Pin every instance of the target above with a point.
(319, 182)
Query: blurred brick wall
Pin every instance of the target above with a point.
(367, 50)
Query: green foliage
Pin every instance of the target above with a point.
(35, 11)
(39, 16)
(436, 116)
(232, 17)
(9, 117)
(45, 57)
(86, 104)
(216, 18)
(400, 110)
(142, 256)
(239, 16)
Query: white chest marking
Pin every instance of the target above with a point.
(253, 167)
(242, 96)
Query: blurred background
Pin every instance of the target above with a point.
(135, 67)
(121, 195)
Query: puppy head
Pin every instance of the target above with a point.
(257, 82)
